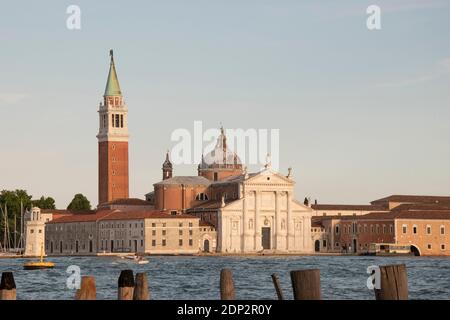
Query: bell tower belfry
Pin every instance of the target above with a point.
(112, 141)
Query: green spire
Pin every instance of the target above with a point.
(112, 85)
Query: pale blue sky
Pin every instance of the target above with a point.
(362, 114)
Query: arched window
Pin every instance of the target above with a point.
(201, 197)
(250, 224)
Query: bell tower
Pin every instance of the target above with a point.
(112, 141)
(167, 168)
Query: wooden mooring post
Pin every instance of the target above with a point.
(87, 289)
(126, 285)
(141, 291)
(7, 287)
(393, 283)
(276, 283)
(227, 291)
(306, 284)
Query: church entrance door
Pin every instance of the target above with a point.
(265, 238)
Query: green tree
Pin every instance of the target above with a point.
(11, 203)
(45, 203)
(79, 203)
(12, 199)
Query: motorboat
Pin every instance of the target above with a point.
(136, 258)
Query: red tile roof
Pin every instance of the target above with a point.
(421, 207)
(82, 217)
(347, 207)
(139, 214)
(424, 215)
(395, 214)
(119, 215)
(128, 201)
(414, 199)
(64, 211)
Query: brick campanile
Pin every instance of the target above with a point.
(112, 141)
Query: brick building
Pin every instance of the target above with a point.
(408, 221)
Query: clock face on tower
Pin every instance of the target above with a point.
(112, 141)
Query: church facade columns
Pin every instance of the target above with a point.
(266, 216)
(257, 243)
(278, 245)
(247, 227)
(290, 223)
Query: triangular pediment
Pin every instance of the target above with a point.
(269, 177)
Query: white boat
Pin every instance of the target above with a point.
(142, 261)
(138, 259)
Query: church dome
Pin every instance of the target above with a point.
(220, 156)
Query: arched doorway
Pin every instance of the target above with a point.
(355, 248)
(317, 246)
(415, 250)
(60, 247)
(112, 245)
(206, 245)
(90, 245)
(76, 246)
(51, 247)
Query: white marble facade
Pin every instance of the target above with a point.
(265, 217)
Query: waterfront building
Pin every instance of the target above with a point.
(319, 236)
(421, 226)
(117, 231)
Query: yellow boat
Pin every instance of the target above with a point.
(38, 264)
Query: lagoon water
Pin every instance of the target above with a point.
(184, 277)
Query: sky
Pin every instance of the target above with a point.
(362, 113)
